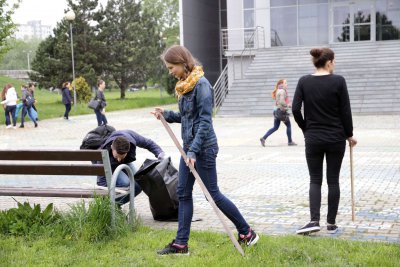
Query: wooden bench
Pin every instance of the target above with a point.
(64, 162)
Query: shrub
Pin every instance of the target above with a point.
(83, 91)
(25, 220)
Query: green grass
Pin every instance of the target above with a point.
(206, 249)
(49, 104)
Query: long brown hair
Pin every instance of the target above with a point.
(178, 54)
(4, 92)
(273, 94)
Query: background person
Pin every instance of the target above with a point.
(101, 112)
(66, 99)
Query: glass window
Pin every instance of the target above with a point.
(362, 13)
(387, 20)
(341, 15)
(284, 25)
(248, 4)
(313, 24)
(362, 32)
(222, 4)
(249, 19)
(275, 3)
(341, 34)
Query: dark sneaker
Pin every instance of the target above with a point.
(262, 140)
(21, 126)
(332, 228)
(174, 249)
(292, 144)
(309, 228)
(36, 125)
(250, 239)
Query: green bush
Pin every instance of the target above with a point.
(83, 91)
(91, 223)
(27, 221)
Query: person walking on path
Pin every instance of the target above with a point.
(282, 102)
(200, 144)
(28, 100)
(66, 99)
(326, 125)
(101, 112)
(9, 97)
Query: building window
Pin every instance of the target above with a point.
(248, 22)
(387, 20)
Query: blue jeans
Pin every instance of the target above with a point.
(277, 123)
(26, 110)
(10, 109)
(101, 118)
(206, 167)
(123, 181)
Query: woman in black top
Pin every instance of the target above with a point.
(66, 99)
(101, 111)
(326, 125)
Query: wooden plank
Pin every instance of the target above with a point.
(54, 155)
(52, 169)
(52, 192)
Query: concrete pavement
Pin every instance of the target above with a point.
(268, 184)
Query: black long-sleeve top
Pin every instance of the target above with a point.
(327, 113)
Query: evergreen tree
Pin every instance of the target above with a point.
(131, 42)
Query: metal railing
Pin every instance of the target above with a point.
(248, 47)
(239, 38)
(275, 40)
(221, 88)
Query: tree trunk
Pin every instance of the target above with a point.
(122, 92)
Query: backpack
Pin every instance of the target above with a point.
(95, 138)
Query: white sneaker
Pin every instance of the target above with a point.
(8, 126)
(14, 127)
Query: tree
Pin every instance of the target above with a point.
(131, 43)
(17, 57)
(7, 26)
(53, 62)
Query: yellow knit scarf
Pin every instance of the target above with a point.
(187, 85)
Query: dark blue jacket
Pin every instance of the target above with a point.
(136, 140)
(195, 115)
(66, 96)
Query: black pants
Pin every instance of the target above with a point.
(67, 110)
(315, 154)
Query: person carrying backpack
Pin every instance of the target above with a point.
(121, 146)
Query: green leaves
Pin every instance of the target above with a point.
(25, 220)
(7, 26)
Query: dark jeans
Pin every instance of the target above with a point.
(101, 118)
(12, 110)
(67, 110)
(315, 154)
(206, 167)
(277, 123)
(26, 110)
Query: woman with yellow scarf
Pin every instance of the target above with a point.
(199, 143)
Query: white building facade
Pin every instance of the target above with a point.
(32, 29)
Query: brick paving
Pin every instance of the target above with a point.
(268, 184)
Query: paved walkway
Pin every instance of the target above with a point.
(268, 184)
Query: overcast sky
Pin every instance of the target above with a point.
(48, 11)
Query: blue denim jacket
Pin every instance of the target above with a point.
(195, 115)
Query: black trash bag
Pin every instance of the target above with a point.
(95, 138)
(159, 181)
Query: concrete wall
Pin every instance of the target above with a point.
(201, 34)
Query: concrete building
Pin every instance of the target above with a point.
(262, 41)
(33, 29)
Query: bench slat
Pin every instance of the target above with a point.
(52, 192)
(52, 169)
(56, 155)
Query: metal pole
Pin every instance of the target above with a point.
(73, 65)
(29, 65)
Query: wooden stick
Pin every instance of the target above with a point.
(203, 187)
(352, 184)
